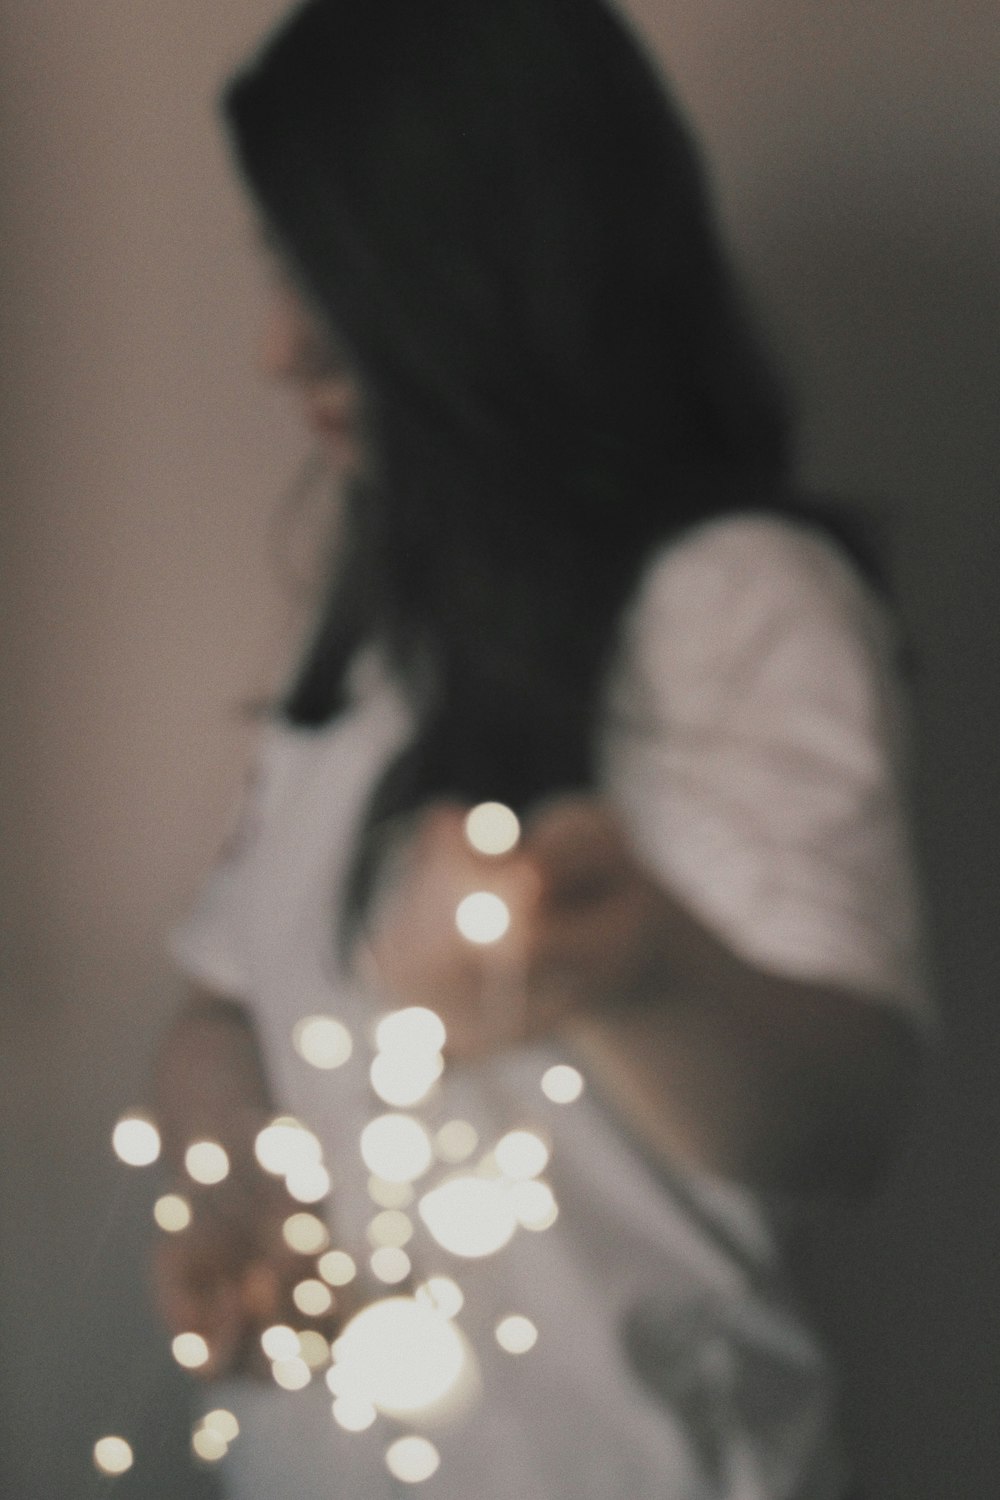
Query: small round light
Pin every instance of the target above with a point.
(291, 1374)
(492, 828)
(396, 1147)
(390, 1264)
(516, 1334)
(413, 1029)
(390, 1227)
(190, 1350)
(223, 1422)
(136, 1141)
(113, 1455)
(207, 1162)
(521, 1153)
(405, 1078)
(285, 1144)
(280, 1342)
(390, 1194)
(456, 1141)
(534, 1205)
(172, 1213)
(353, 1413)
(402, 1356)
(312, 1298)
(469, 1216)
(337, 1268)
(411, 1460)
(322, 1042)
(305, 1233)
(482, 918)
(208, 1444)
(562, 1084)
(314, 1349)
(308, 1182)
(443, 1294)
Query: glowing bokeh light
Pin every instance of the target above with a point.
(280, 1342)
(391, 1227)
(314, 1349)
(534, 1205)
(208, 1444)
(172, 1213)
(322, 1042)
(562, 1084)
(390, 1264)
(456, 1141)
(516, 1334)
(223, 1422)
(286, 1144)
(353, 1413)
(291, 1374)
(396, 1147)
(401, 1356)
(190, 1351)
(470, 1216)
(413, 1029)
(308, 1182)
(305, 1234)
(442, 1294)
(390, 1194)
(207, 1162)
(337, 1268)
(402, 1079)
(113, 1455)
(412, 1459)
(521, 1153)
(312, 1298)
(136, 1141)
(492, 828)
(482, 918)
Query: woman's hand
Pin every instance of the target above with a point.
(584, 934)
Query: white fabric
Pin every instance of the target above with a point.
(751, 744)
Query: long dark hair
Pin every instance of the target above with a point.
(500, 214)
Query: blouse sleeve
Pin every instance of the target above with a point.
(756, 748)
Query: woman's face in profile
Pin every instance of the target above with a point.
(294, 349)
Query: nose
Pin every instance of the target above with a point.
(289, 347)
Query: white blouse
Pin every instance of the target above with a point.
(752, 745)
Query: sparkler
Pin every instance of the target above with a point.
(403, 1356)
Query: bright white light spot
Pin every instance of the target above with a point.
(456, 1141)
(390, 1264)
(353, 1413)
(401, 1356)
(172, 1212)
(482, 917)
(521, 1153)
(469, 1216)
(492, 828)
(208, 1444)
(322, 1041)
(280, 1342)
(190, 1350)
(337, 1267)
(136, 1141)
(291, 1374)
(285, 1144)
(314, 1349)
(305, 1233)
(391, 1227)
(113, 1455)
(312, 1298)
(308, 1182)
(516, 1334)
(534, 1205)
(411, 1460)
(413, 1029)
(207, 1162)
(443, 1294)
(562, 1084)
(402, 1079)
(396, 1147)
(223, 1422)
(390, 1194)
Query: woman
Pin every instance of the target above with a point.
(571, 576)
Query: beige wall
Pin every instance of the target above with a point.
(853, 146)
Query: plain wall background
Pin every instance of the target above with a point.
(853, 147)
